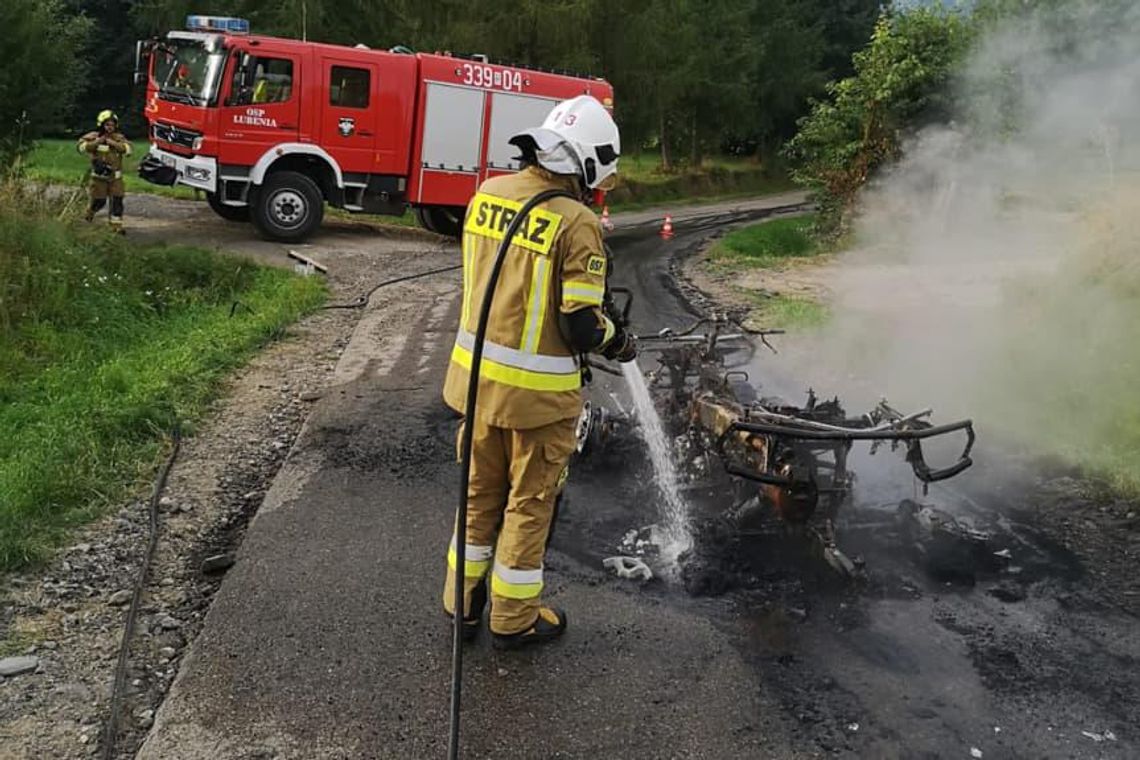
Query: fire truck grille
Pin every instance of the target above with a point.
(174, 135)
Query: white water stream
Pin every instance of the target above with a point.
(673, 535)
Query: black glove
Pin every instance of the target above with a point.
(622, 347)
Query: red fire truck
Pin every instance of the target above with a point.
(272, 129)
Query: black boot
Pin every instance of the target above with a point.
(548, 626)
(474, 615)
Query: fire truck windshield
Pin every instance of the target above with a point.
(187, 71)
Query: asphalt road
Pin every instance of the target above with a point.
(327, 638)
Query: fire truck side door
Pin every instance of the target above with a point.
(261, 106)
(349, 113)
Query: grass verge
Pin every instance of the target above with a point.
(772, 245)
(58, 162)
(104, 346)
(768, 244)
(788, 312)
(641, 184)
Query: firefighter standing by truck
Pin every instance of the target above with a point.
(548, 309)
(106, 147)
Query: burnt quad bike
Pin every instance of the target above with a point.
(790, 459)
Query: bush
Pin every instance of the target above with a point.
(900, 80)
(43, 70)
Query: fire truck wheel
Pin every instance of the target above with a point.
(443, 220)
(229, 213)
(288, 207)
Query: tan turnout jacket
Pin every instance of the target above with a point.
(556, 265)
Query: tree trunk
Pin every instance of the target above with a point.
(665, 165)
(694, 145)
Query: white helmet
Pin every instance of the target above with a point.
(578, 137)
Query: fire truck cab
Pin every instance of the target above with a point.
(272, 129)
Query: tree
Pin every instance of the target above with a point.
(43, 71)
(690, 76)
(108, 54)
(899, 81)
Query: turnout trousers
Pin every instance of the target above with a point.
(516, 476)
(99, 191)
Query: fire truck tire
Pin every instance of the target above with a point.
(229, 213)
(442, 220)
(288, 207)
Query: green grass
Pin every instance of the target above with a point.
(104, 346)
(645, 167)
(788, 312)
(58, 162)
(769, 244)
(642, 184)
(408, 219)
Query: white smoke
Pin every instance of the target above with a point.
(998, 265)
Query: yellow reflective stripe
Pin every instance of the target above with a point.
(468, 280)
(514, 590)
(536, 311)
(474, 551)
(519, 378)
(542, 302)
(582, 292)
(472, 568)
(545, 363)
(489, 216)
(516, 584)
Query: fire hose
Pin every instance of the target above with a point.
(465, 461)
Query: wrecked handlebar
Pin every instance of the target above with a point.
(912, 437)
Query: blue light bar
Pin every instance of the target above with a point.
(225, 24)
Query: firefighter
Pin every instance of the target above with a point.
(107, 148)
(548, 310)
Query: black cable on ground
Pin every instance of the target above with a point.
(110, 731)
(465, 461)
(361, 301)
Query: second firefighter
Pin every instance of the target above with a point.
(106, 147)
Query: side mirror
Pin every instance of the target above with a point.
(246, 71)
(140, 74)
(240, 82)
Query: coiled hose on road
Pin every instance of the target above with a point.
(465, 461)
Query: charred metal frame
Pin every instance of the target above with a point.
(797, 454)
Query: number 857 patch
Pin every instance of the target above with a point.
(596, 265)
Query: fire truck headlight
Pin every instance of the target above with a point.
(193, 172)
(196, 145)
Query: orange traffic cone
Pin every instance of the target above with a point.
(606, 223)
(667, 228)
